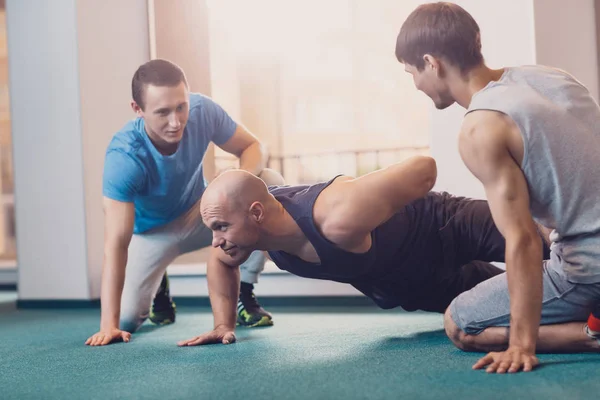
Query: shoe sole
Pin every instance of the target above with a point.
(264, 321)
(163, 322)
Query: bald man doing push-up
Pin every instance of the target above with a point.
(384, 233)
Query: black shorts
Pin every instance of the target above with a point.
(457, 241)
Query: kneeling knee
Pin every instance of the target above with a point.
(271, 177)
(130, 324)
(460, 339)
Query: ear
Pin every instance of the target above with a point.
(257, 211)
(433, 64)
(137, 109)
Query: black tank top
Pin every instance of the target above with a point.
(404, 253)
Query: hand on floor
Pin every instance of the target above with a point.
(103, 338)
(512, 360)
(217, 335)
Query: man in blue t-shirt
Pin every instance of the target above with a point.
(152, 185)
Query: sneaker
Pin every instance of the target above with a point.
(163, 306)
(592, 328)
(250, 313)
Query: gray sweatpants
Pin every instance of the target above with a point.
(151, 252)
(488, 304)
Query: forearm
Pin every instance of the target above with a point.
(223, 289)
(113, 278)
(524, 274)
(254, 158)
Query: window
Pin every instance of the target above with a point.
(325, 75)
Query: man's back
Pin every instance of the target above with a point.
(560, 125)
(335, 263)
(408, 252)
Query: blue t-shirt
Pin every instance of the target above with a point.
(163, 187)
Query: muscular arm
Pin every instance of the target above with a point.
(354, 207)
(485, 147)
(223, 288)
(244, 145)
(118, 229)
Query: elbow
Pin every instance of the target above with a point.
(432, 173)
(428, 168)
(262, 149)
(116, 250)
(524, 243)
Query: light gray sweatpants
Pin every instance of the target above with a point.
(151, 252)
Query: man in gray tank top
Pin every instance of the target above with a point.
(531, 135)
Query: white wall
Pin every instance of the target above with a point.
(46, 128)
(70, 64)
(566, 38)
(507, 37)
(108, 59)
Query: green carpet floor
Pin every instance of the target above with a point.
(308, 354)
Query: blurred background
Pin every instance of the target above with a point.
(316, 81)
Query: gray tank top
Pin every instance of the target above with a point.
(560, 125)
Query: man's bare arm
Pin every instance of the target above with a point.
(355, 207)
(118, 230)
(485, 149)
(244, 145)
(223, 288)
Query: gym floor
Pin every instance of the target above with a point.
(310, 353)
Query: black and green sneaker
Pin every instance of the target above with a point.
(250, 313)
(163, 306)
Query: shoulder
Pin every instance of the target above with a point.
(129, 139)
(488, 138)
(488, 119)
(537, 70)
(486, 128)
(330, 212)
(200, 103)
(125, 150)
(332, 195)
(207, 113)
(197, 100)
(197, 106)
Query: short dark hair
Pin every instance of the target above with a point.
(158, 73)
(444, 30)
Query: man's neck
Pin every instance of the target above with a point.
(166, 149)
(472, 82)
(282, 233)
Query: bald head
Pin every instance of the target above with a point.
(233, 207)
(234, 189)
